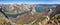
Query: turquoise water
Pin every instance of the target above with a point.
(15, 15)
(38, 9)
(12, 15)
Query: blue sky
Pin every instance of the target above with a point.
(30, 1)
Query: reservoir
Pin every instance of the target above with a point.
(38, 9)
(13, 15)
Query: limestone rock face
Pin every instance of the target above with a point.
(56, 11)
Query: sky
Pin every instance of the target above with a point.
(30, 1)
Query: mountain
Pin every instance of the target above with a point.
(56, 11)
(31, 14)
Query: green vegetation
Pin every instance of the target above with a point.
(3, 22)
(55, 19)
(40, 19)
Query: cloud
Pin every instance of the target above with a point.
(30, 1)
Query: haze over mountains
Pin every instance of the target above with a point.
(27, 13)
